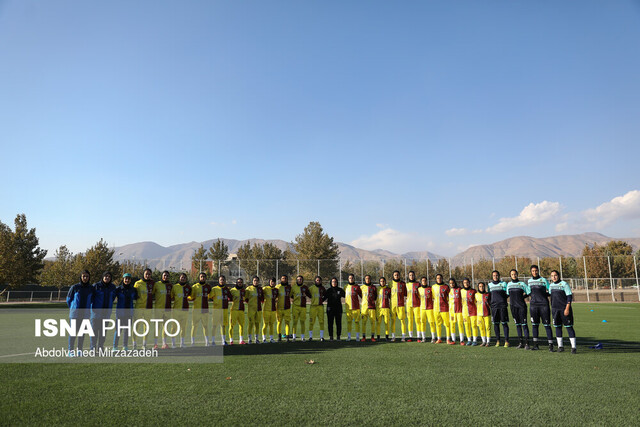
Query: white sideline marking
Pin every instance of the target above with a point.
(15, 355)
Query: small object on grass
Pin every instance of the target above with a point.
(188, 369)
(228, 378)
(309, 362)
(598, 346)
(604, 320)
(591, 309)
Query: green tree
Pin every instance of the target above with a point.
(61, 271)
(218, 253)
(312, 245)
(21, 259)
(98, 259)
(199, 260)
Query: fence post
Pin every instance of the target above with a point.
(340, 272)
(473, 279)
(427, 269)
(277, 275)
(298, 270)
(219, 271)
(586, 282)
(382, 267)
(405, 269)
(494, 262)
(51, 296)
(362, 270)
(318, 267)
(8, 292)
(516, 259)
(258, 268)
(560, 260)
(200, 267)
(31, 300)
(449, 267)
(58, 294)
(635, 266)
(613, 297)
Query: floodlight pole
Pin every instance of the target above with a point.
(635, 266)
(586, 282)
(613, 297)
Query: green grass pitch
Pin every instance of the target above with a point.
(351, 384)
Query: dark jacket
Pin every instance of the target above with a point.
(334, 296)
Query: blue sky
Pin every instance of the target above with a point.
(396, 125)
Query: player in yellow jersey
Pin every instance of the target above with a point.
(220, 297)
(301, 296)
(353, 295)
(162, 305)
(144, 303)
(413, 307)
(441, 307)
(455, 310)
(398, 311)
(369, 297)
(384, 308)
(483, 309)
(180, 296)
(237, 310)
(254, 299)
(316, 311)
(426, 310)
(283, 315)
(269, 310)
(200, 315)
(469, 312)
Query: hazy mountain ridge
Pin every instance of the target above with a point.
(179, 256)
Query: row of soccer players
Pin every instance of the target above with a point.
(437, 305)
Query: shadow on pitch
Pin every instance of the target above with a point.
(608, 345)
(297, 347)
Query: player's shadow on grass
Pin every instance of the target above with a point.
(608, 345)
(297, 347)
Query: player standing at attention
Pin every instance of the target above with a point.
(469, 312)
(126, 295)
(269, 310)
(561, 310)
(101, 306)
(384, 308)
(517, 292)
(317, 309)
(441, 308)
(353, 294)
(144, 303)
(79, 301)
(300, 294)
(398, 311)
(180, 295)
(333, 296)
(498, 291)
(426, 310)
(200, 316)
(369, 297)
(221, 297)
(539, 307)
(455, 310)
(237, 310)
(283, 315)
(162, 304)
(413, 306)
(254, 299)
(483, 308)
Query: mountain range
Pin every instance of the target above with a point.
(179, 256)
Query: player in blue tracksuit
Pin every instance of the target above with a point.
(539, 307)
(105, 293)
(79, 301)
(499, 314)
(125, 295)
(517, 292)
(561, 310)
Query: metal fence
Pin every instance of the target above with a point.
(590, 274)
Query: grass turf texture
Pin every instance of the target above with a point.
(351, 383)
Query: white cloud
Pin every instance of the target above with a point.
(477, 231)
(393, 240)
(621, 207)
(234, 222)
(532, 214)
(562, 226)
(456, 232)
